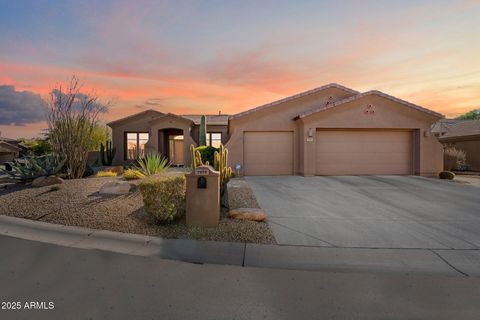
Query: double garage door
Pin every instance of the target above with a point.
(338, 152)
(363, 152)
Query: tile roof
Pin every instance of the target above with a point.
(7, 145)
(371, 92)
(215, 119)
(462, 129)
(296, 96)
(443, 125)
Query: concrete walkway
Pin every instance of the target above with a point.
(94, 284)
(405, 212)
(461, 263)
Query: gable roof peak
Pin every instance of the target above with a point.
(368, 93)
(133, 116)
(295, 96)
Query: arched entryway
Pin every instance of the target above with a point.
(171, 145)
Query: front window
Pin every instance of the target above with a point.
(136, 145)
(214, 139)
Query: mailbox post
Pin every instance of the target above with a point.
(203, 197)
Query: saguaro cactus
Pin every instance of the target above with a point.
(196, 157)
(202, 132)
(221, 164)
(107, 153)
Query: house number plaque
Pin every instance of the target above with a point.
(201, 172)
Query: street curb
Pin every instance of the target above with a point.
(406, 261)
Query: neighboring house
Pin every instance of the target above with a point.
(442, 126)
(9, 149)
(330, 130)
(465, 135)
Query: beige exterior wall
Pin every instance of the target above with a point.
(277, 118)
(143, 123)
(170, 122)
(388, 114)
(137, 124)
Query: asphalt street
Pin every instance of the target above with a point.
(94, 284)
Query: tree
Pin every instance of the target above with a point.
(101, 134)
(202, 132)
(470, 115)
(72, 119)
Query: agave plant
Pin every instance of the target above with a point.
(32, 167)
(152, 164)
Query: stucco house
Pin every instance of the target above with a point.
(465, 135)
(330, 130)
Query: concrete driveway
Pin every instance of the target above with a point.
(370, 211)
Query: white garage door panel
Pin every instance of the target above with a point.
(357, 152)
(268, 153)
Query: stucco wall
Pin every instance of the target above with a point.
(138, 124)
(171, 123)
(387, 114)
(277, 118)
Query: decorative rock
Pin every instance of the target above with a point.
(252, 214)
(115, 188)
(46, 181)
(117, 169)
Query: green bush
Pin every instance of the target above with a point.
(207, 153)
(446, 175)
(163, 198)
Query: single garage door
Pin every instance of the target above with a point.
(363, 152)
(268, 153)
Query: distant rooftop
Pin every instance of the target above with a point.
(442, 126)
(463, 128)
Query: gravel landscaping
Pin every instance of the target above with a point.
(78, 203)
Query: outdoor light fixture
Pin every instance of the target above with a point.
(310, 132)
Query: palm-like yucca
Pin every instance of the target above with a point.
(152, 164)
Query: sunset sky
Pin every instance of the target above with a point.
(205, 56)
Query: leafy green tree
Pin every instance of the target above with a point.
(37, 147)
(470, 115)
(101, 133)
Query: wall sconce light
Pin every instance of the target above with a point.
(426, 134)
(310, 132)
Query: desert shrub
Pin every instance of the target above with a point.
(55, 187)
(207, 153)
(102, 174)
(454, 159)
(30, 168)
(152, 164)
(132, 174)
(446, 175)
(163, 198)
(37, 147)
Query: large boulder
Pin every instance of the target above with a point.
(115, 188)
(252, 214)
(46, 181)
